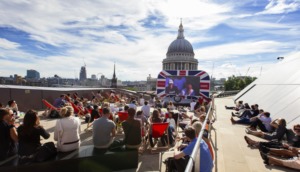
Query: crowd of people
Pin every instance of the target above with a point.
(101, 114)
(277, 149)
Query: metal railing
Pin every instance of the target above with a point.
(194, 161)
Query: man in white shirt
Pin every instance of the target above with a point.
(142, 101)
(192, 105)
(132, 105)
(262, 121)
(146, 110)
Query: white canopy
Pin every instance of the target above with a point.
(277, 91)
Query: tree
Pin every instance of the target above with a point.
(238, 83)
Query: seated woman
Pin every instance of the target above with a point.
(29, 134)
(67, 130)
(278, 147)
(132, 130)
(8, 134)
(155, 119)
(285, 153)
(280, 129)
(288, 152)
(200, 111)
(171, 121)
(171, 106)
(290, 163)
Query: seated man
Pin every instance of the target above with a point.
(238, 106)
(132, 131)
(247, 114)
(103, 131)
(12, 105)
(263, 121)
(182, 157)
(146, 109)
(132, 104)
(247, 111)
(60, 101)
(280, 129)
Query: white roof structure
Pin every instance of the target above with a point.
(277, 91)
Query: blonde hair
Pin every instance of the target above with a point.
(66, 111)
(197, 126)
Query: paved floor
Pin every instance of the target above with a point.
(232, 152)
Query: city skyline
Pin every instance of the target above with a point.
(228, 37)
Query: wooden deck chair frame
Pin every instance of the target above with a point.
(123, 116)
(49, 105)
(80, 112)
(164, 132)
(144, 133)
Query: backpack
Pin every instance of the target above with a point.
(170, 166)
(54, 114)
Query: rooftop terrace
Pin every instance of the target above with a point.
(231, 151)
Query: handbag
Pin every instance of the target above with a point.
(60, 134)
(45, 152)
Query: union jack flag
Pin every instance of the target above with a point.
(204, 84)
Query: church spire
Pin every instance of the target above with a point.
(114, 75)
(114, 80)
(180, 31)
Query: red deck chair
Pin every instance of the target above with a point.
(68, 99)
(117, 99)
(101, 112)
(166, 115)
(49, 105)
(122, 116)
(158, 130)
(77, 110)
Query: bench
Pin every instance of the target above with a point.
(86, 159)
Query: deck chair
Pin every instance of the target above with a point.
(77, 110)
(158, 130)
(49, 105)
(123, 116)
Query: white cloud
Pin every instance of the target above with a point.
(281, 6)
(102, 32)
(233, 50)
(6, 44)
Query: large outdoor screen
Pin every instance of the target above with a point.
(182, 85)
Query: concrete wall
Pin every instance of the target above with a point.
(30, 97)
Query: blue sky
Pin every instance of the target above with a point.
(57, 37)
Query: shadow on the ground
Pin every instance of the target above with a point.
(270, 167)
